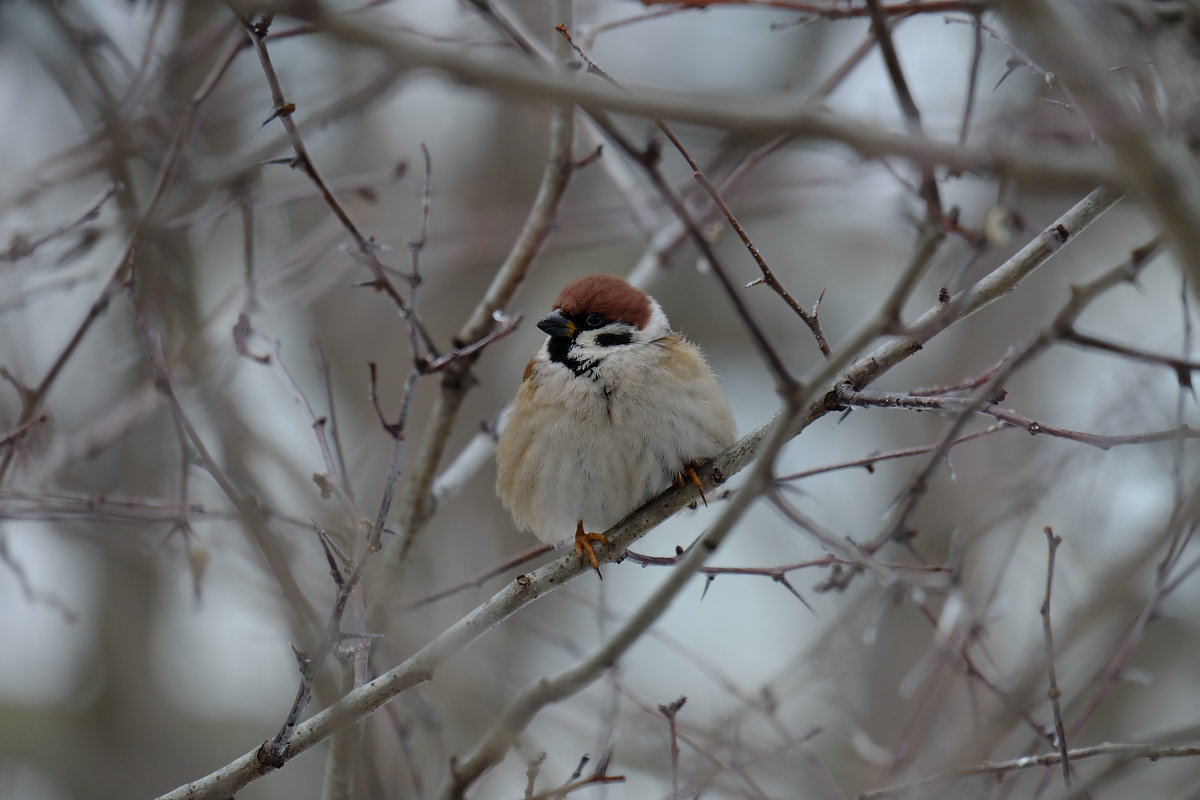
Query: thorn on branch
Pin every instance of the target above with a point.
(583, 760)
(780, 578)
(590, 157)
(394, 430)
(283, 110)
(331, 555)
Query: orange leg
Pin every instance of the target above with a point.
(584, 549)
(689, 474)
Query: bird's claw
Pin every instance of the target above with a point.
(584, 548)
(688, 475)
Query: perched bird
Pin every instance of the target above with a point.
(612, 409)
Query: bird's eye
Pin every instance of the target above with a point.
(595, 320)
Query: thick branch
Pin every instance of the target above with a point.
(762, 115)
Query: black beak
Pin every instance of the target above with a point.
(555, 324)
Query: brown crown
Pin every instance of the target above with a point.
(609, 295)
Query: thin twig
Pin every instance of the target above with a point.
(964, 128)
(20, 247)
(996, 769)
(832, 10)
(332, 479)
(28, 590)
(912, 115)
(960, 404)
(335, 436)
(670, 710)
(869, 462)
(1060, 732)
(1183, 367)
(10, 438)
(475, 583)
(251, 513)
(283, 111)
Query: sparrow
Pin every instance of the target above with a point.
(614, 407)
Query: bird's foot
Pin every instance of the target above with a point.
(688, 475)
(584, 549)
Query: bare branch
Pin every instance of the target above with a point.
(763, 114)
(1152, 752)
(1053, 692)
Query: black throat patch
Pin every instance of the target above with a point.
(559, 349)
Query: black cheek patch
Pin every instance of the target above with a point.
(613, 339)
